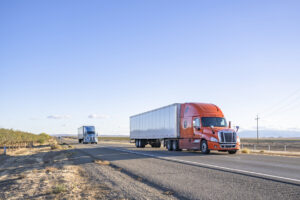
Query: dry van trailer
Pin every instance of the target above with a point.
(155, 126)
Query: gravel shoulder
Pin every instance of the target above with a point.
(42, 173)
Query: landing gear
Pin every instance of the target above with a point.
(156, 144)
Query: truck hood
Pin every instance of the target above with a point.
(208, 130)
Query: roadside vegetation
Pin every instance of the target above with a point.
(10, 137)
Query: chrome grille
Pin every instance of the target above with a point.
(227, 137)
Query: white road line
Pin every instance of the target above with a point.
(205, 164)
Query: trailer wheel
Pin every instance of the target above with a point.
(204, 147)
(232, 151)
(175, 145)
(169, 145)
(137, 143)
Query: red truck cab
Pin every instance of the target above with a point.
(203, 127)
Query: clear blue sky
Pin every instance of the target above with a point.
(62, 62)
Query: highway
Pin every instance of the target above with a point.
(192, 175)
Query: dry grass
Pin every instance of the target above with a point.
(245, 150)
(51, 169)
(102, 162)
(59, 188)
(168, 193)
(21, 176)
(55, 146)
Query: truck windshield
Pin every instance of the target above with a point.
(90, 130)
(213, 121)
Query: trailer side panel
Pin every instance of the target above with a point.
(156, 124)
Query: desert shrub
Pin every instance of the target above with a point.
(59, 189)
(245, 150)
(55, 146)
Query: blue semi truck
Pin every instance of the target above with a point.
(87, 134)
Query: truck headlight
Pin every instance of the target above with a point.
(213, 139)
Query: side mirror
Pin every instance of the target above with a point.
(229, 124)
(237, 128)
(212, 129)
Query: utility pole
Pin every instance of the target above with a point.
(257, 118)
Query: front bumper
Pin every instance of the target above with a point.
(223, 146)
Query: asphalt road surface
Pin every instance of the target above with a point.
(192, 175)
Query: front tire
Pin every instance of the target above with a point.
(204, 147)
(232, 151)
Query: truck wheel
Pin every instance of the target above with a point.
(175, 145)
(232, 151)
(79, 141)
(137, 143)
(204, 147)
(169, 145)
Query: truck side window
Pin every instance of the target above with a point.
(196, 123)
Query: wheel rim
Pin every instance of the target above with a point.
(174, 145)
(204, 146)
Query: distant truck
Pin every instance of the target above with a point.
(192, 126)
(87, 134)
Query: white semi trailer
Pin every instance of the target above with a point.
(87, 134)
(154, 126)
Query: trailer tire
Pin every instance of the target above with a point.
(175, 145)
(232, 151)
(169, 145)
(204, 147)
(137, 143)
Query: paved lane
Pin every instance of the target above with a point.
(192, 181)
(285, 168)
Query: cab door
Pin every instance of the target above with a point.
(195, 143)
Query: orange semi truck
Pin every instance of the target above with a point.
(192, 126)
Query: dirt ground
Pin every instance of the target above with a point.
(42, 173)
